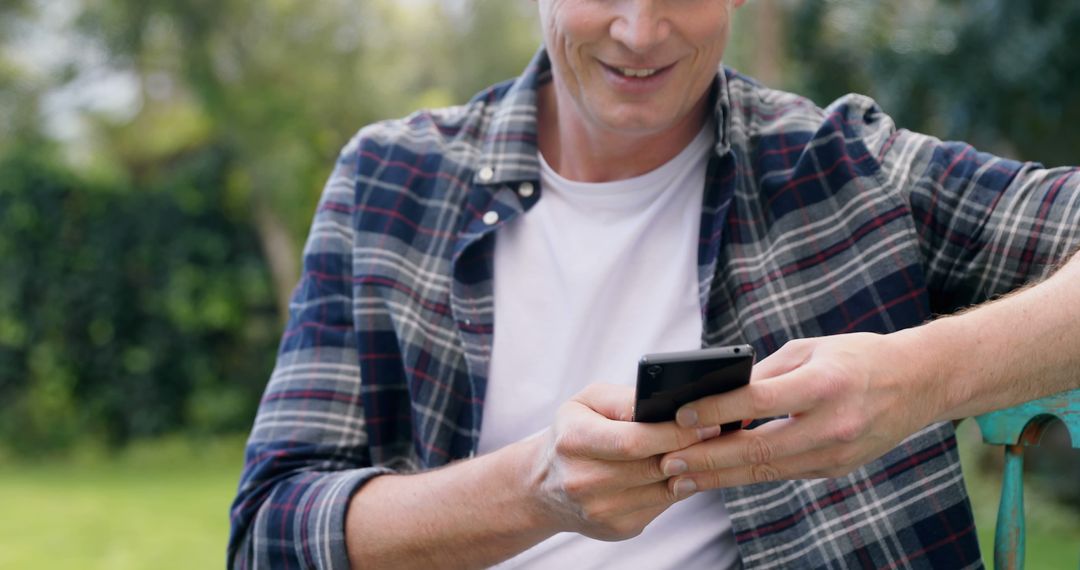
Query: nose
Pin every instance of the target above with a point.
(640, 25)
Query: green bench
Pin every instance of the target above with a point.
(1016, 428)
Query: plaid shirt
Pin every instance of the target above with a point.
(814, 222)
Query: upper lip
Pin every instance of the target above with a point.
(636, 66)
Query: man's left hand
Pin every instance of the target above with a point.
(847, 399)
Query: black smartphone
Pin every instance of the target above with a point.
(666, 381)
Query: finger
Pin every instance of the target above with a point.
(629, 474)
(601, 438)
(771, 442)
(789, 393)
(595, 435)
(646, 497)
(791, 356)
(624, 514)
(817, 464)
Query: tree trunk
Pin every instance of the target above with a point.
(769, 43)
(280, 254)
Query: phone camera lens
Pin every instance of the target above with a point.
(737, 351)
(654, 370)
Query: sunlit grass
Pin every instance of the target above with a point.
(164, 505)
(161, 505)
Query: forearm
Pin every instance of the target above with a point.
(1019, 348)
(471, 514)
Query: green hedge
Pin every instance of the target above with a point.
(127, 309)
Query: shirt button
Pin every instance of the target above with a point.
(486, 174)
(526, 189)
(491, 218)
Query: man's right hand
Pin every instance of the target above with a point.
(598, 473)
(593, 472)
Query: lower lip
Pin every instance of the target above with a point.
(637, 85)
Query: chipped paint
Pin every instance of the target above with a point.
(1016, 428)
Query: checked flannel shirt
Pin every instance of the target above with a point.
(814, 222)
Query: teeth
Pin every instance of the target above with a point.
(636, 72)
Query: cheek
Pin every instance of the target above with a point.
(569, 27)
(707, 36)
(709, 33)
(571, 38)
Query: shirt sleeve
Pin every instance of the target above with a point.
(308, 450)
(986, 225)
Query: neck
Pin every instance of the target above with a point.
(580, 151)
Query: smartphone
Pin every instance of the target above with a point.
(666, 381)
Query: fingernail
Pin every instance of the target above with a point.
(675, 467)
(684, 488)
(708, 432)
(686, 417)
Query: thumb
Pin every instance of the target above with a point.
(612, 401)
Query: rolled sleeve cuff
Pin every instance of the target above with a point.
(322, 517)
(303, 522)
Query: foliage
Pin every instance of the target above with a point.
(126, 311)
(136, 295)
(287, 83)
(1000, 74)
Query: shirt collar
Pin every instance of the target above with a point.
(510, 148)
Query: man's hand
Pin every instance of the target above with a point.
(593, 472)
(598, 473)
(848, 398)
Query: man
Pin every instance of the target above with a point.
(454, 386)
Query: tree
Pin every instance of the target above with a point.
(284, 85)
(1002, 75)
(135, 296)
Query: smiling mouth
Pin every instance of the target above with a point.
(630, 72)
(636, 72)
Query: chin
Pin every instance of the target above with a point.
(635, 118)
(638, 124)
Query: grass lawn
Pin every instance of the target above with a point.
(164, 505)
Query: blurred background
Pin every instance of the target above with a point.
(160, 161)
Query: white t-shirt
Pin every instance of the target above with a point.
(591, 278)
